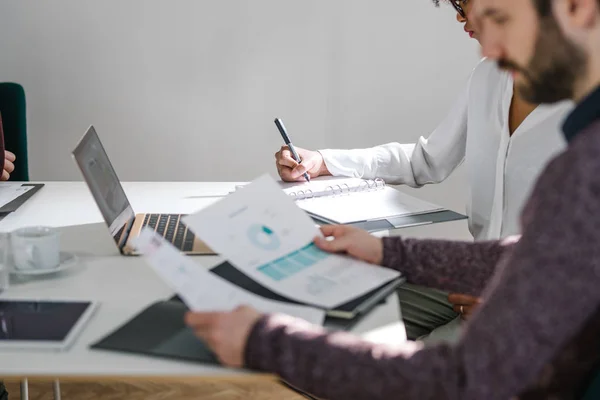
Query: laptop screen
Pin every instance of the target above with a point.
(103, 182)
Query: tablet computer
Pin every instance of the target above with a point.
(42, 324)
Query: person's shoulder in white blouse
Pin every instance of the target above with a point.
(430, 160)
(508, 144)
(476, 128)
(504, 141)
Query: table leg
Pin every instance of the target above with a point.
(24, 389)
(56, 387)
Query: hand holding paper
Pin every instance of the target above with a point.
(226, 333)
(352, 241)
(201, 290)
(264, 234)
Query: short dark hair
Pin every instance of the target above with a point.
(437, 2)
(543, 7)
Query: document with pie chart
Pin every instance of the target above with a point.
(261, 231)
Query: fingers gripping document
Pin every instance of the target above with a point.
(263, 233)
(204, 291)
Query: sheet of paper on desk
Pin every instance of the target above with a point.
(262, 232)
(203, 291)
(366, 206)
(348, 200)
(10, 191)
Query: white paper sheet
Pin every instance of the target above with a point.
(348, 200)
(10, 191)
(366, 206)
(262, 232)
(202, 290)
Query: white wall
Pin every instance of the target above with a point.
(188, 89)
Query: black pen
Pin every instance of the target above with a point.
(289, 144)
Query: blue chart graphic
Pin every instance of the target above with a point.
(293, 263)
(263, 237)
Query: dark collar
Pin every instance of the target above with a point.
(586, 112)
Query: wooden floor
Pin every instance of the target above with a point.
(162, 389)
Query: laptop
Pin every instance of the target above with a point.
(123, 223)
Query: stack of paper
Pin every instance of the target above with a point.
(263, 233)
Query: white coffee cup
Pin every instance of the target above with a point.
(36, 247)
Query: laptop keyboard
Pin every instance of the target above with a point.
(172, 229)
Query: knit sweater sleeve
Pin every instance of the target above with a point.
(461, 267)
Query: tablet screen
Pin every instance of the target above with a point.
(48, 321)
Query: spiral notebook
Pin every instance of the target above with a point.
(354, 200)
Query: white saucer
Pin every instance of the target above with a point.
(67, 260)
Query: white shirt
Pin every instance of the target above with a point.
(501, 169)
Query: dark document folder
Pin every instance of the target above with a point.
(409, 220)
(159, 330)
(349, 310)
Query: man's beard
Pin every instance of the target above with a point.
(553, 71)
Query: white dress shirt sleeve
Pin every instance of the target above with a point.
(430, 160)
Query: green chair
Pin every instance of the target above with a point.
(593, 391)
(14, 122)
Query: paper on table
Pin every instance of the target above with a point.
(366, 206)
(10, 191)
(262, 232)
(348, 200)
(202, 290)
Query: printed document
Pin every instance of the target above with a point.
(10, 191)
(263, 233)
(202, 290)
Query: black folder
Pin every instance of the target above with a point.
(409, 220)
(159, 329)
(349, 310)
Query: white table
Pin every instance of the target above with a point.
(122, 285)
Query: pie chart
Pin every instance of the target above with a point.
(263, 237)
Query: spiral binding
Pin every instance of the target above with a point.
(368, 185)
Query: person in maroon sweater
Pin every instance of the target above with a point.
(537, 333)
